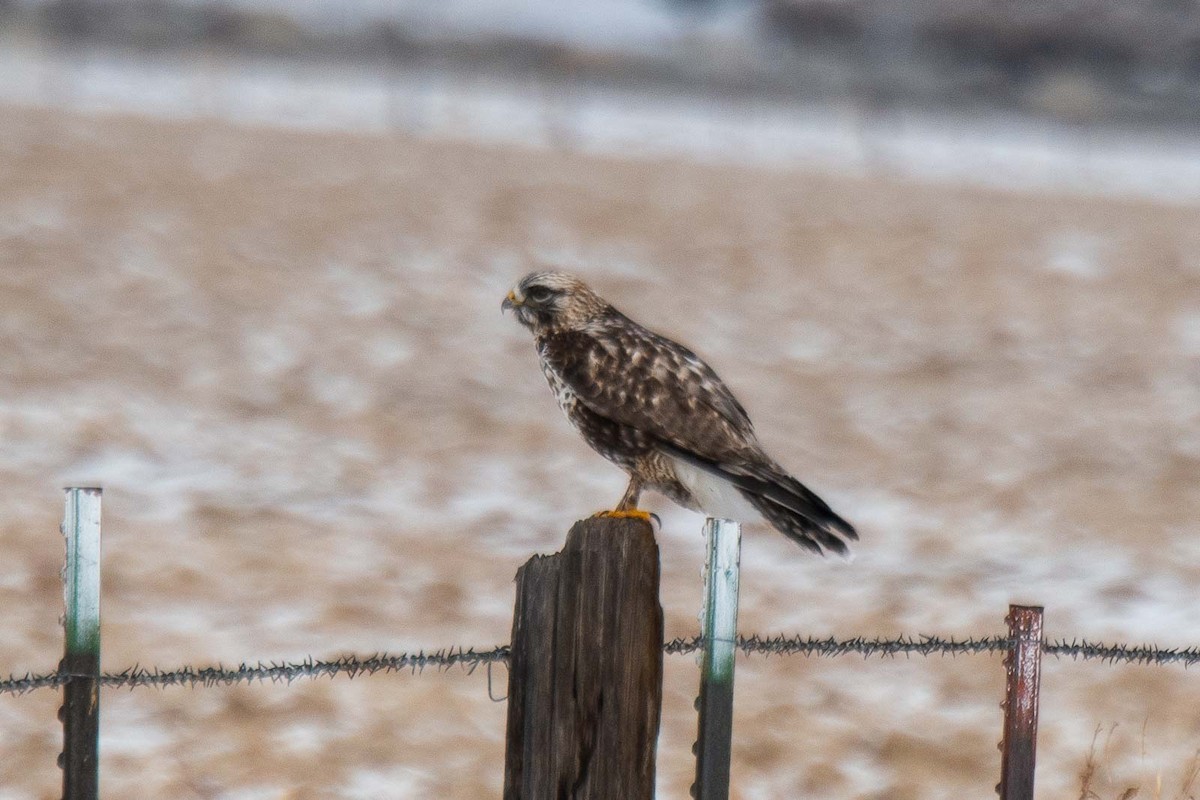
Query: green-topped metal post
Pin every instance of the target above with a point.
(719, 617)
(80, 712)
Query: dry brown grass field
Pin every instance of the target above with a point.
(282, 355)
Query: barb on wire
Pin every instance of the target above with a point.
(470, 659)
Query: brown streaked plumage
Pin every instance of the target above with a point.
(655, 409)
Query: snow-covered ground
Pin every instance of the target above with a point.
(1003, 150)
(281, 352)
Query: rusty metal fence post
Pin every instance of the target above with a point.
(80, 711)
(1023, 677)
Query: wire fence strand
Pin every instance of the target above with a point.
(470, 659)
(276, 672)
(1076, 649)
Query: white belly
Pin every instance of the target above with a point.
(716, 497)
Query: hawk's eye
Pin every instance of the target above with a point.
(539, 294)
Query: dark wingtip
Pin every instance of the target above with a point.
(844, 529)
(837, 546)
(820, 535)
(834, 538)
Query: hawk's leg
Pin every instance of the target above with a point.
(632, 492)
(627, 508)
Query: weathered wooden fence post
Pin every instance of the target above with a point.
(1023, 672)
(80, 712)
(585, 671)
(719, 617)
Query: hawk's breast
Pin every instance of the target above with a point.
(621, 444)
(567, 400)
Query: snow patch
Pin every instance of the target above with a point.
(1077, 254)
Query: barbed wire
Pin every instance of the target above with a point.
(1123, 653)
(284, 671)
(1079, 650)
(830, 647)
(471, 659)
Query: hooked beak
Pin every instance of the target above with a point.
(510, 302)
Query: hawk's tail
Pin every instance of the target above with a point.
(790, 506)
(794, 510)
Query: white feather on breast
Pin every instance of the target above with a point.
(715, 496)
(562, 393)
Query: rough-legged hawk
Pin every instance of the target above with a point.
(652, 407)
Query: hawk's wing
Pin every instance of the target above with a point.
(637, 378)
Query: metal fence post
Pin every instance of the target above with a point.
(80, 712)
(1023, 675)
(719, 634)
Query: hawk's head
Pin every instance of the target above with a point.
(546, 301)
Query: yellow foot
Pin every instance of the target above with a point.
(629, 513)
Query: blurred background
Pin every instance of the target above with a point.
(251, 259)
